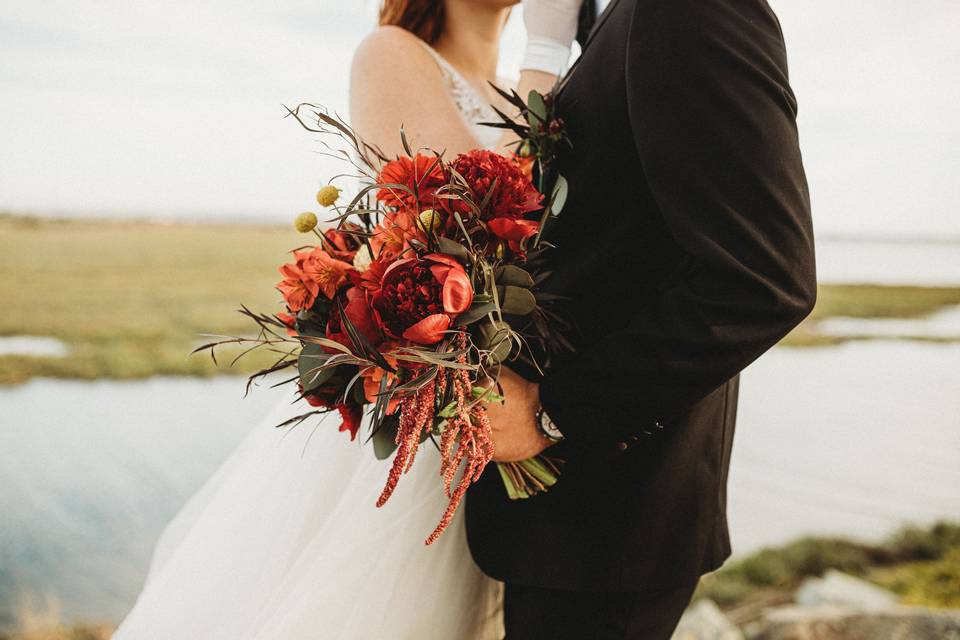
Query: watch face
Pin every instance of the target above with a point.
(547, 427)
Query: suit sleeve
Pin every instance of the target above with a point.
(714, 123)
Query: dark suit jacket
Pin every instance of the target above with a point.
(687, 251)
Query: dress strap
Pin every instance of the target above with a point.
(468, 100)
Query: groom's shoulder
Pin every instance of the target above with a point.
(687, 22)
(695, 13)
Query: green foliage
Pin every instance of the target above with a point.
(929, 584)
(870, 301)
(919, 562)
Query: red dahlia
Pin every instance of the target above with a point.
(514, 195)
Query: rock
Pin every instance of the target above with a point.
(703, 620)
(832, 622)
(840, 589)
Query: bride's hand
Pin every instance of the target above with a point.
(551, 27)
(554, 20)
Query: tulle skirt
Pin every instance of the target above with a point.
(285, 541)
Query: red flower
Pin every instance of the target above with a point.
(421, 174)
(357, 310)
(418, 299)
(340, 244)
(513, 231)
(514, 194)
(290, 322)
(352, 416)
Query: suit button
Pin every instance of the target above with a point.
(622, 446)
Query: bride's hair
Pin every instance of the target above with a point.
(423, 18)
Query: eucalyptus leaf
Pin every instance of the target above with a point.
(309, 364)
(476, 312)
(384, 442)
(453, 248)
(516, 301)
(559, 197)
(537, 109)
(511, 274)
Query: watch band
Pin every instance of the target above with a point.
(547, 427)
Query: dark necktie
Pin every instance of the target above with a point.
(588, 16)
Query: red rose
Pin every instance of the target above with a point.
(421, 174)
(514, 194)
(418, 299)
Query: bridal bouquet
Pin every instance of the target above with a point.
(426, 282)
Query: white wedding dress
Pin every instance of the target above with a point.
(284, 541)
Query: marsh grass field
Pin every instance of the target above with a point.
(130, 299)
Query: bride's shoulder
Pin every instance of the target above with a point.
(392, 51)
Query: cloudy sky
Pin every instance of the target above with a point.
(174, 108)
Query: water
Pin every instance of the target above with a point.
(33, 346)
(853, 440)
(921, 263)
(90, 472)
(942, 325)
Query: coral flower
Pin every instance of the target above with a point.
(421, 174)
(419, 299)
(513, 231)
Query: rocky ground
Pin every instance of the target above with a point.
(836, 606)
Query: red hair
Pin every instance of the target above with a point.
(422, 18)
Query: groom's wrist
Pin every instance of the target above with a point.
(546, 55)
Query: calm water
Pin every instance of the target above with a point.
(852, 440)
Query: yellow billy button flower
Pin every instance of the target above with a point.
(430, 221)
(305, 222)
(328, 195)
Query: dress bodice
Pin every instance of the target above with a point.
(472, 106)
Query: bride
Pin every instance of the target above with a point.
(284, 541)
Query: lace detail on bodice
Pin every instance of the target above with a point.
(469, 102)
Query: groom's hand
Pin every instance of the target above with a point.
(514, 422)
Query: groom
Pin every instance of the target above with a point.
(685, 251)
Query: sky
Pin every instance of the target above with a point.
(174, 108)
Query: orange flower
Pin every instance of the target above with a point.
(372, 376)
(299, 291)
(392, 236)
(327, 272)
(421, 174)
(309, 275)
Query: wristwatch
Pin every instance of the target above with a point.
(547, 426)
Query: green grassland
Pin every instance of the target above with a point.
(131, 298)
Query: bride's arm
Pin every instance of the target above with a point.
(394, 82)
